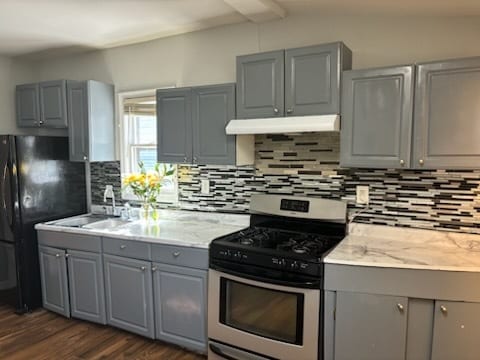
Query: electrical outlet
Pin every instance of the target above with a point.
(363, 196)
(205, 186)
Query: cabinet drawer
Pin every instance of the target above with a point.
(127, 248)
(63, 240)
(180, 255)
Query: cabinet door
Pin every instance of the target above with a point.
(53, 104)
(27, 105)
(370, 327)
(53, 273)
(129, 296)
(213, 108)
(312, 80)
(174, 125)
(77, 100)
(87, 292)
(377, 108)
(260, 85)
(180, 305)
(455, 331)
(447, 110)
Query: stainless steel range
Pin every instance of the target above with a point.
(265, 282)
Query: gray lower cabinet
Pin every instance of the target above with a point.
(53, 104)
(180, 305)
(53, 273)
(174, 125)
(129, 294)
(260, 85)
(377, 112)
(27, 105)
(370, 327)
(213, 107)
(446, 114)
(91, 119)
(455, 332)
(87, 290)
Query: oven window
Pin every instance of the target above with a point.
(269, 313)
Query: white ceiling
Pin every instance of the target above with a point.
(36, 26)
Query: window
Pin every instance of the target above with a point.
(138, 127)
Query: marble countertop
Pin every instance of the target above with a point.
(394, 247)
(175, 227)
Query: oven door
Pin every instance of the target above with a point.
(267, 319)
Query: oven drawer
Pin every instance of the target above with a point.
(128, 248)
(180, 255)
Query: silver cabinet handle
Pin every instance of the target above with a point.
(57, 255)
(41, 122)
(154, 268)
(67, 255)
(85, 157)
(194, 159)
(420, 161)
(443, 309)
(402, 162)
(123, 247)
(185, 159)
(289, 111)
(176, 254)
(143, 268)
(400, 307)
(275, 110)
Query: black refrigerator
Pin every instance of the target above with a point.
(37, 183)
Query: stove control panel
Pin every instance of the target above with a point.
(289, 264)
(233, 254)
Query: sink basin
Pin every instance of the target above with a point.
(106, 224)
(80, 221)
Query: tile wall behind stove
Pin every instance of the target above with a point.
(308, 165)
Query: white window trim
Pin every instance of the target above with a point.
(122, 148)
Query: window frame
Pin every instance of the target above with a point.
(124, 147)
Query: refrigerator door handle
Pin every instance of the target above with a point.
(8, 209)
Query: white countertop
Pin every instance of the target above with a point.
(175, 227)
(407, 248)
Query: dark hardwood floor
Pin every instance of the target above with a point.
(45, 335)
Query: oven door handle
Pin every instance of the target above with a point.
(306, 284)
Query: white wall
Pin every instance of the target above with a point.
(208, 56)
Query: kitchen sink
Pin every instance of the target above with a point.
(106, 224)
(80, 221)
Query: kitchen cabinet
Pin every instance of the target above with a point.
(456, 329)
(191, 126)
(53, 273)
(53, 104)
(446, 114)
(27, 105)
(180, 305)
(293, 82)
(129, 294)
(377, 110)
(370, 327)
(85, 279)
(91, 127)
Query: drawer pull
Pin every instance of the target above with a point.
(123, 247)
(443, 309)
(176, 254)
(57, 255)
(400, 307)
(143, 268)
(154, 268)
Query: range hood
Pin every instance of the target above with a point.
(284, 125)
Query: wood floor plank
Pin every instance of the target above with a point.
(43, 335)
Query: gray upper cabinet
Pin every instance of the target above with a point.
(174, 125)
(129, 294)
(447, 114)
(455, 332)
(260, 85)
(91, 121)
(370, 327)
(377, 111)
(53, 274)
(180, 305)
(27, 105)
(313, 78)
(213, 107)
(53, 104)
(87, 291)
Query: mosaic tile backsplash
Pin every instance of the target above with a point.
(308, 165)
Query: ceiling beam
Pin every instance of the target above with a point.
(258, 10)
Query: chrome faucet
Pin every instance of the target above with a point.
(109, 194)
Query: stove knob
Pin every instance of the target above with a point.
(282, 263)
(294, 265)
